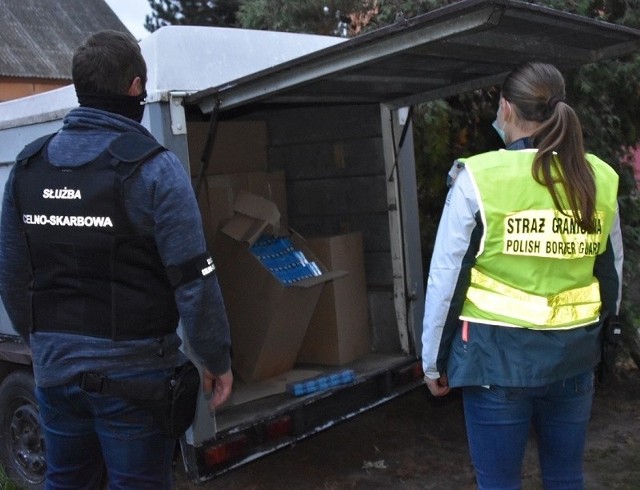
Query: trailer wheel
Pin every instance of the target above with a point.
(22, 441)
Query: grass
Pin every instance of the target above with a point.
(5, 482)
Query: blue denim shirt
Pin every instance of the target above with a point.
(160, 201)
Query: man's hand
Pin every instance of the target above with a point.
(438, 387)
(219, 385)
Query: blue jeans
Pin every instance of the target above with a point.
(498, 421)
(85, 432)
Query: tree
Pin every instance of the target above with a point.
(221, 13)
(305, 16)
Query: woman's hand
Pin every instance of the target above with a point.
(438, 387)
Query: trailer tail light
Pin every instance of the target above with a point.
(278, 428)
(227, 451)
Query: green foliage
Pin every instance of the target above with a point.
(221, 13)
(5, 482)
(432, 146)
(446, 130)
(391, 10)
(630, 218)
(305, 16)
(609, 109)
(320, 16)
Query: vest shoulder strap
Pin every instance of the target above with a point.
(33, 148)
(134, 147)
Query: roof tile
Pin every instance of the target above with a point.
(38, 38)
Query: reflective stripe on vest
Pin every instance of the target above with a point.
(568, 309)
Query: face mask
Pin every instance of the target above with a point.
(496, 126)
(500, 131)
(131, 106)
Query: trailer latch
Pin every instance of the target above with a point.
(176, 112)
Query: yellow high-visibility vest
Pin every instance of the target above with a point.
(534, 267)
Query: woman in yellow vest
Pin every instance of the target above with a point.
(527, 267)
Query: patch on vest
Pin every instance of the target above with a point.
(549, 233)
(71, 221)
(63, 193)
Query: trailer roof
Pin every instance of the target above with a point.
(193, 58)
(465, 46)
(182, 58)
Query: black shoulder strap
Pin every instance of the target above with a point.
(134, 147)
(33, 148)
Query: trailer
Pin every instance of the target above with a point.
(310, 135)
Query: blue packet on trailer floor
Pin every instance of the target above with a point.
(321, 383)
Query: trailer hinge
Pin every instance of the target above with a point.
(176, 112)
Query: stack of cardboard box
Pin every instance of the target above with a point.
(274, 325)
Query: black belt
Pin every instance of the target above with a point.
(123, 388)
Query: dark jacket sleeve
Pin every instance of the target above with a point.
(14, 268)
(608, 270)
(178, 231)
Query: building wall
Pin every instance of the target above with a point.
(14, 88)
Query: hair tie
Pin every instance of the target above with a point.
(553, 102)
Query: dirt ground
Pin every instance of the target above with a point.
(419, 442)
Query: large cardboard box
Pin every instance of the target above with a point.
(338, 331)
(268, 318)
(238, 146)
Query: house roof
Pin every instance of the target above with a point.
(38, 38)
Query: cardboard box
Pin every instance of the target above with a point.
(268, 319)
(224, 189)
(239, 146)
(338, 331)
(221, 196)
(270, 185)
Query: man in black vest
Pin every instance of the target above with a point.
(101, 252)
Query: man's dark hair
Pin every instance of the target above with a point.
(107, 63)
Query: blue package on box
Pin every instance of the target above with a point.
(283, 260)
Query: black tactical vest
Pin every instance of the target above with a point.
(92, 274)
